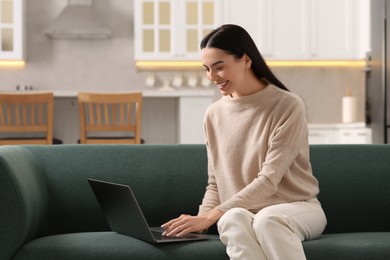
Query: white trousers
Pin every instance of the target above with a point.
(275, 232)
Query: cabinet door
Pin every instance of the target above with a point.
(200, 18)
(284, 29)
(322, 136)
(246, 15)
(332, 30)
(191, 113)
(313, 30)
(173, 29)
(153, 29)
(354, 136)
(11, 30)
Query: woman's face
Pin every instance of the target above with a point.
(225, 70)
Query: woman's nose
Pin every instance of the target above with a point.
(212, 76)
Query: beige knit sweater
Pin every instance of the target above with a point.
(258, 152)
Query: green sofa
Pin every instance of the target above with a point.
(48, 211)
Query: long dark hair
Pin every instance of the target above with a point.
(236, 40)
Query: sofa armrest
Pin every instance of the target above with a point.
(23, 198)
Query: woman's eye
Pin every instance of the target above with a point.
(219, 68)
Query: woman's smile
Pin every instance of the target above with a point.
(222, 85)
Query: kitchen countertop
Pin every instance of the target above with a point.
(145, 93)
(337, 125)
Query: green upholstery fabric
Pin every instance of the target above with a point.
(354, 186)
(110, 245)
(356, 246)
(162, 178)
(23, 199)
(48, 210)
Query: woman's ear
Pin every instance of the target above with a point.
(248, 61)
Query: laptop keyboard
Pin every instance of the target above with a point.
(158, 236)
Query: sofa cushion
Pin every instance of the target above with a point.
(167, 179)
(110, 245)
(354, 186)
(356, 246)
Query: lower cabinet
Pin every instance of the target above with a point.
(339, 134)
(354, 136)
(322, 136)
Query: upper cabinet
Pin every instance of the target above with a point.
(173, 29)
(283, 30)
(11, 30)
(305, 29)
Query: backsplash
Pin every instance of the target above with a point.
(322, 89)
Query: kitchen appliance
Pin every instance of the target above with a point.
(378, 73)
(78, 20)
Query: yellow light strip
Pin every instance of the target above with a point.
(12, 63)
(185, 65)
(355, 63)
(168, 65)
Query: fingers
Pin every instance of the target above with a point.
(172, 222)
(178, 231)
(177, 227)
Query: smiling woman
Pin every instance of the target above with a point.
(218, 49)
(260, 177)
(226, 72)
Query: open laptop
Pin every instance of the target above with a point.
(125, 216)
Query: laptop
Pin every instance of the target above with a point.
(125, 217)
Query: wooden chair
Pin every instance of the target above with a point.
(110, 118)
(26, 118)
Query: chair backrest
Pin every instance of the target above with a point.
(26, 118)
(111, 117)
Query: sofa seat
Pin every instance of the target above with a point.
(111, 245)
(356, 246)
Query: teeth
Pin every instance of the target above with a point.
(222, 84)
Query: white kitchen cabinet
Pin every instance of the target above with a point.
(284, 29)
(304, 29)
(334, 27)
(11, 30)
(322, 136)
(244, 14)
(173, 29)
(191, 113)
(310, 30)
(354, 136)
(354, 133)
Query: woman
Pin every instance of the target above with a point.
(261, 189)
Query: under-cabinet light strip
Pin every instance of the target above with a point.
(182, 65)
(12, 63)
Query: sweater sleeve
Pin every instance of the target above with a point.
(284, 145)
(211, 197)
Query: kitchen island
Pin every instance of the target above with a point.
(168, 116)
